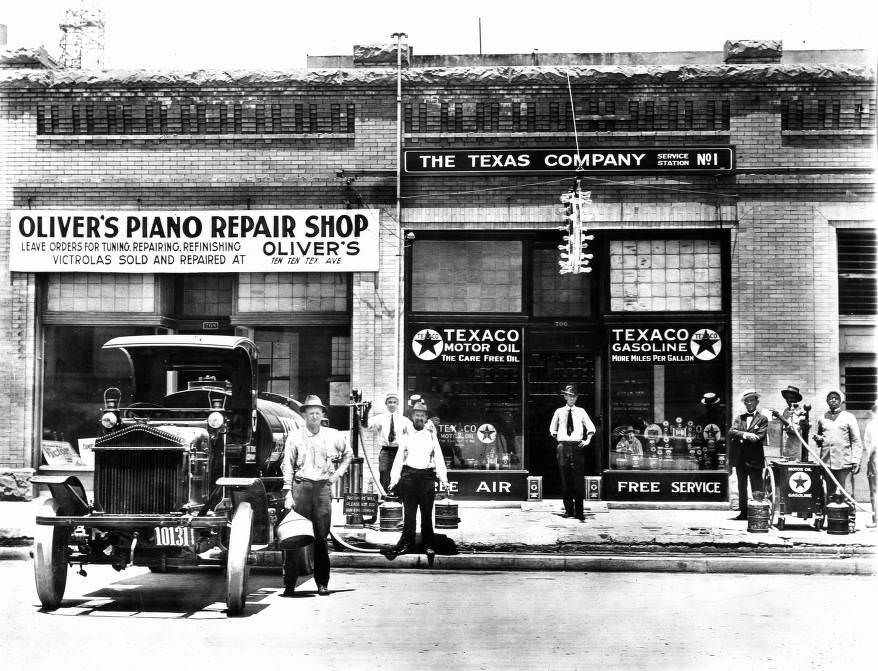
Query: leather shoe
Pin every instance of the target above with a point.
(289, 591)
(741, 516)
(322, 590)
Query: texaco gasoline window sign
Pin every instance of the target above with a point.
(665, 344)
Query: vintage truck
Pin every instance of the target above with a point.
(187, 470)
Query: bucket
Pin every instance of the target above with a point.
(837, 516)
(389, 515)
(446, 514)
(758, 514)
(294, 531)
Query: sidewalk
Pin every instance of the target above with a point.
(536, 536)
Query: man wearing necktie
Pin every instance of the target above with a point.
(389, 426)
(573, 429)
(747, 454)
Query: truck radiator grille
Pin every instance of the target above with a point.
(133, 481)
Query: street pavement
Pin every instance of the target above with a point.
(422, 619)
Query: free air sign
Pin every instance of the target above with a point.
(627, 159)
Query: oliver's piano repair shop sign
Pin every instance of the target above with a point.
(665, 486)
(655, 343)
(628, 159)
(475, 345)
(178, 241)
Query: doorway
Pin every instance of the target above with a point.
(557, 358)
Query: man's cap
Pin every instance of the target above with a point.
(629, 429)
(709, 399)
(791, 394)
(389, 395)
(835, 391)
(419, 405)
(747, 394)
(414, 398)
(312, 401)
(571, 390)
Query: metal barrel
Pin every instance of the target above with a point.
(446, 514)
(838, 516)
(389, 516)
(758, 514)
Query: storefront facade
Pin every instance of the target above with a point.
(710, 184)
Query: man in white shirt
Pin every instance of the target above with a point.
(573, 429)
(389, 426)
(870, 442)
(418, 463)
(309, 469)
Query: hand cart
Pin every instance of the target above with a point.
(794, 488)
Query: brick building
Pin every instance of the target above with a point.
(730, 203)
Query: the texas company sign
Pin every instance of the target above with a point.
(629, 159)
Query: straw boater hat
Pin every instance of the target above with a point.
(747, 394)
(390, 395)
(791, 394)
(312, 401)
(571, 390)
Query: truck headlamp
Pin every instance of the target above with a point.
(215, 420)
(109, 420)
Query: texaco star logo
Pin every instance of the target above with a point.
(486, 433)
(800, 482)
(427, 344)
(705, 344)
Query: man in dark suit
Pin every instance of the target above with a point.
(746, 440)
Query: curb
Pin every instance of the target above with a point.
(653, 563)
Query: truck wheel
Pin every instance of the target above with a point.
(237, 571)
(50, 559)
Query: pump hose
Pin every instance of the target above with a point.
(335, 537)
(829, 472)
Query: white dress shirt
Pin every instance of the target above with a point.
(418, 449)
(380, 424)
(582, 424)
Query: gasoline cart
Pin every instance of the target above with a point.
(794, 488)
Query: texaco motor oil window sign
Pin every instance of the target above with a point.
(105, 241)
(468, 345)
(665, 344)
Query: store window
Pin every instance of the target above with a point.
(466, 276)
(470, 376)
(665, 275)
(96, 292)
(293, 292)
(207, 295)
(857, 286)
(667, 406)
(75, 374)
(557, 295)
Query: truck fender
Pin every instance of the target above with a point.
(68, 492)
(251, 490)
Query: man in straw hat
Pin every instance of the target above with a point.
(870, 442)
(309, 469)
(747, 453)
(389, 427)
(573, 429)
(797, 417)
(418, 463)
(838, 436)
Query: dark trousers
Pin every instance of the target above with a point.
(417, 489)
(744, 473)
(385, 463)
(312, 500)
(571, 466)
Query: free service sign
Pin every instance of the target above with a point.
(178, 241)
